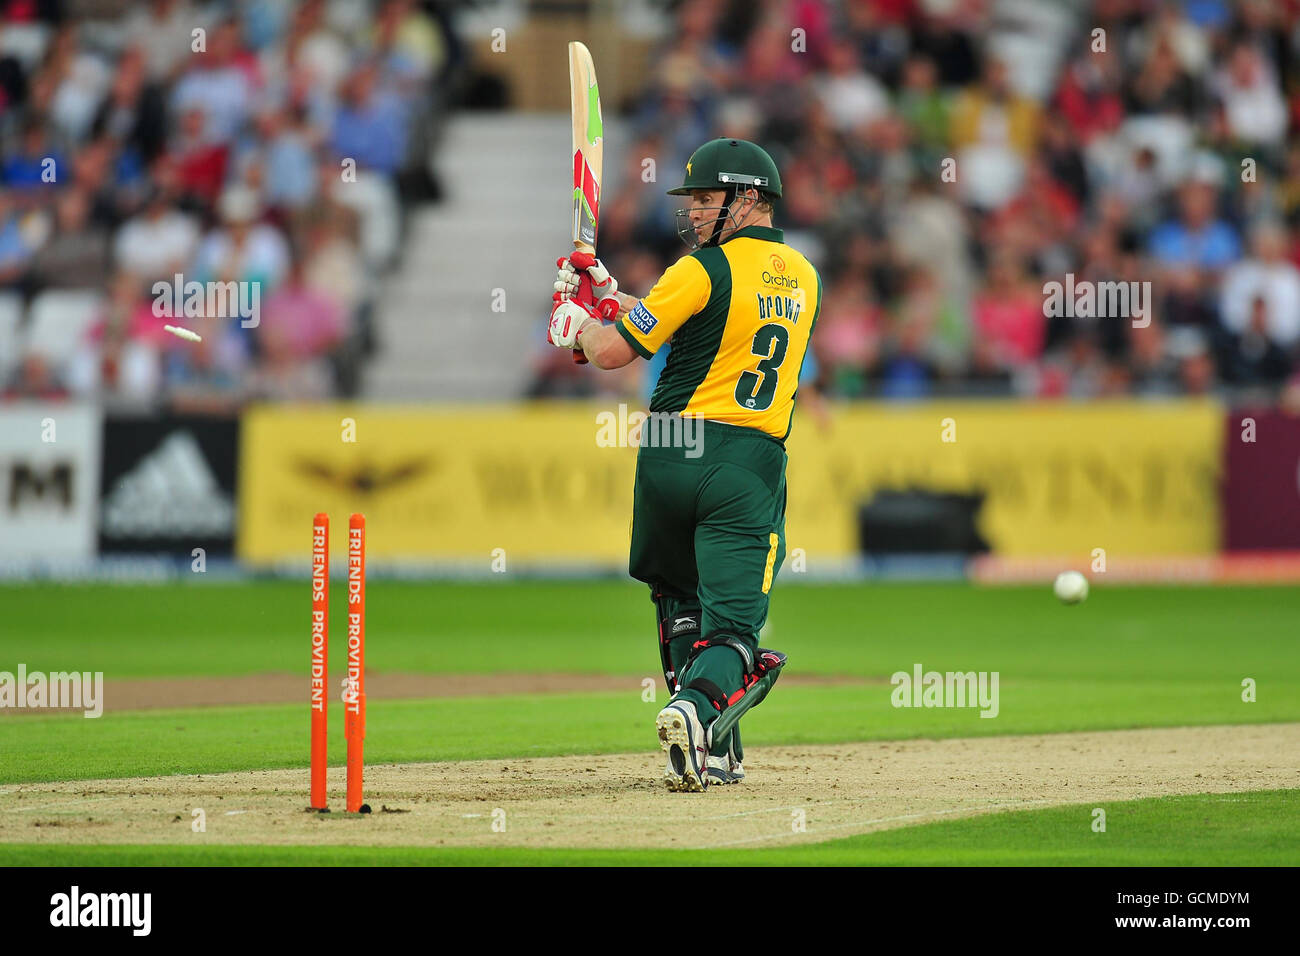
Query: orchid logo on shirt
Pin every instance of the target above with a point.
(642, 319)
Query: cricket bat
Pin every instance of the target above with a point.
(588, 153)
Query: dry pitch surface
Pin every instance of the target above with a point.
(617, 801)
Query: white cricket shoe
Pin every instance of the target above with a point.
(725, 769)
(683, 739)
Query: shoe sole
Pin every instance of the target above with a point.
(674, 735)
(723, 777)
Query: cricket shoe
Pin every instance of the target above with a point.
(724, 769)
(683, 739)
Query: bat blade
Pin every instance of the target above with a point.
(588, 157)
(588, 146)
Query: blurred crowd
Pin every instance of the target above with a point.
(273, 143)
(943, 160)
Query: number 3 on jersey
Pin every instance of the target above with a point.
(755, 390)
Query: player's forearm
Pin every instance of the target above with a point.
(604, 347)
(626, 303)
(595, 342)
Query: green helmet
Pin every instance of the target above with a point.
(722, 163)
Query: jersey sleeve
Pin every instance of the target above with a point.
(682, 291)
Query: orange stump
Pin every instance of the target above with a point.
(320, 642)
(354, 700)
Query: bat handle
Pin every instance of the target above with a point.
(587, 298)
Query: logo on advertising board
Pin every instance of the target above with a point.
(49, 469)
(168, 485)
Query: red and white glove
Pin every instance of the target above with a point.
(604, 287)
(567, 320)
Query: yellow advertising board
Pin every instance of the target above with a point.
(1134, 478)
(543, 482)
(436, 482)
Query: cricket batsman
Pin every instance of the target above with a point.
(708, 523)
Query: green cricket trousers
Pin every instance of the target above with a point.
(708, 536)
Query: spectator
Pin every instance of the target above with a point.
(333, 265)
(1253, 109)
(946, 328)
(300, 326)
(1064, 161)
(1265, 290)
(80, 78)
(408, 46)
(158, 243)
(1252, 355)
(93, 173)
(320, 51)
(134, 113)
(1162, 87)
(1198, 239)
(1088, 98)
(13, 81)
(994, 131)
(286, 152)
(199, 162)
(163, 31)
(1195, 367)
(34, 378)
(76, 256)
(852, 98)
(923, 106)
(1138, 181)
(928, 228)
(817, 175)
(848, 339)
(369, 126)
(221, 83)
(1039, 221)
(37, 165)
(1008, 314)
(120, 359)
(905, 372)
(242, 249)
(16, 244)
(208, 377)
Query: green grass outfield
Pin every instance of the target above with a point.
(1128, 657)
(1255, 828)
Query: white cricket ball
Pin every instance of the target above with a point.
(1071, 587)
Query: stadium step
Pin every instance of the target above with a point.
(504, 219)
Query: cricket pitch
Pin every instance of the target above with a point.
(618, 801)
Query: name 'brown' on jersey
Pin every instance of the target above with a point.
(739, 317)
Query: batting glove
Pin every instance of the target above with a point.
(567, 320)
(604, 287)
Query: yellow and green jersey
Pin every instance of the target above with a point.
(739, 316)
